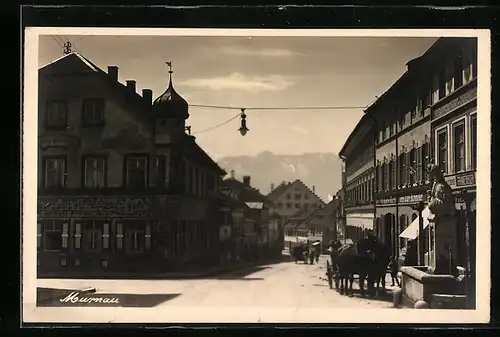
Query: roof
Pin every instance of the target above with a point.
(170, 103)
(246, 193)
(191, 147)
(84, 65)
(255, 205)
(226, 201)
(322, 211)
(283, 187)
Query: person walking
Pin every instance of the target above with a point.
(393, 267)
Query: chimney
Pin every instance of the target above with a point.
(113, 72)
(314, 189)
(272, 187)
(131, 85)
(232, 174)
(147, 94)
(246, 180)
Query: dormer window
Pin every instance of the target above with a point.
(93, 112)
(56, 114)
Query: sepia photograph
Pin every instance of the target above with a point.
(256, 176)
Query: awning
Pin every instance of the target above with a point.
(360, 222)
(411, 232)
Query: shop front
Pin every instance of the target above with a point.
(394, 215)
(358, 225)
(93, 234)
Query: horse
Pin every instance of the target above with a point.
(363, 258)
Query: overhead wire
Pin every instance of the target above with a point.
(61, 43)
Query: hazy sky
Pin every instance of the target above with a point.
(258, 72)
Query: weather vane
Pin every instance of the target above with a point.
(169, 64)
(67, 48)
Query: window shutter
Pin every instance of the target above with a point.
(38, 235)
(78, 235)
(65, 235)
(119, 236)
(148, 235)
(105, 236)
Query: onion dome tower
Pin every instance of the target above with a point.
(170, 111)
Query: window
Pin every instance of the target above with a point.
(459, 146)
(298, 196)
(383, 131)
(93, 112)
(442, 145)
(419, 165)
(55, 172)
(306, 196)
(297, 205)
(412, 167)
(289, 196)
(393, 174)
(95, 172)
(426, 157)
(442, 84)
(55, 235)
(467, 71)
(306, 206)
(473, 137)
(92, 235)
(288, 205)
(402, 121)
(314, 205)
(450, 85)
(402, 169)
(457, 72)
(163, 172)
(391, 129)
(413, 114)
(135, 236)
(136, 172)
(57, 114)
(386, 176)
(421, 102)
(280, 205)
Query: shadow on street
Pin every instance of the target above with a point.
(207, 272)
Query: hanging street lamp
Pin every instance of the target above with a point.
(243, 128)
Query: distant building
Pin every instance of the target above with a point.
(319, 224)
(293, 198)
(256, 224)
(121, 185)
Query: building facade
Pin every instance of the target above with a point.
(427, 116)
(291, 199)
(121, 186)
(358, 157)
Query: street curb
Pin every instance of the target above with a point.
(47, 294)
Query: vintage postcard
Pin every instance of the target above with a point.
(256, 176)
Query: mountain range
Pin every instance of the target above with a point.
(321, 170)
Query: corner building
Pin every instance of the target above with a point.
(121, 186)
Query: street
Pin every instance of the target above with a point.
(284, 285)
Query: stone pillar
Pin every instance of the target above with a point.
(446, 235)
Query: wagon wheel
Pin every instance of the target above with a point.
(329, 274)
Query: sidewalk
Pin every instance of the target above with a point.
(193, 272)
